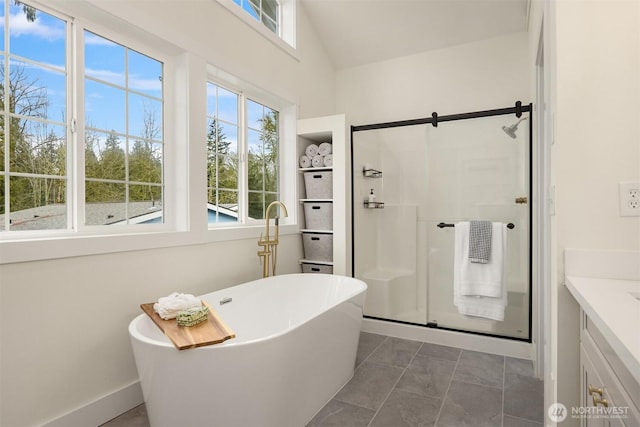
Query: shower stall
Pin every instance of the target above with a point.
(427, 175)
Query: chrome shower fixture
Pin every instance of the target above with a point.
(511, 130)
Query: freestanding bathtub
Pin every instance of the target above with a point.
(295, 347)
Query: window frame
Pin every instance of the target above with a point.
(167, 224)
(67, 177)
(75, 131)
(185, 74)
(29, 245)
(286, 152)
(286, 39)
(240, 154)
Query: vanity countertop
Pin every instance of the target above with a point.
(613, 305)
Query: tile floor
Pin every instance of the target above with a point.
(401, 383)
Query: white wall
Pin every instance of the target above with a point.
(598, 121)
(482, 75)
(487, 74)
(596, 105)
(64, 321)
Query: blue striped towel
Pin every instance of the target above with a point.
(480, 242)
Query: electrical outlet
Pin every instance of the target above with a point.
(629, 198)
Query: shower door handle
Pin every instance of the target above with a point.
(521, 200)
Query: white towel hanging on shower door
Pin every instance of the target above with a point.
(479, 289)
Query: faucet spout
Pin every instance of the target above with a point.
(270, 252)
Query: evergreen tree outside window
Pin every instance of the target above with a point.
(262, 138)
(42, 145)
(233, 188)
(123, 134)
(34, 177)
(222, 154)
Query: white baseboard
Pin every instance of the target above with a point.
(503, 347)
(102, 409)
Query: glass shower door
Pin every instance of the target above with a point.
(389, 236)
(476, 171)
(426, 180)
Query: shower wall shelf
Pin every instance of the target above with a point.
(373, 205)
(371, 173)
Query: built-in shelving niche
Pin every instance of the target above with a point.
(318, 130)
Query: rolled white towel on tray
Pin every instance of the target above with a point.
(328, 160)
(317, 161)
(324, 149)
(311, 151)
(305, 162)
(168, 307)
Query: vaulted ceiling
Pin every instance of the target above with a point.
(357, 32)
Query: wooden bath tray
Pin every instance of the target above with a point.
(212, 331)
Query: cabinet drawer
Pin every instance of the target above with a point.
(619, 369)
(614, 391)
(589, 378)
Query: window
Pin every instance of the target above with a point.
(222, 155)
(118, 131)
(34, 139)
(123, 134)
(240, 192)
(265, 11)
(262, 138)
(273, 19)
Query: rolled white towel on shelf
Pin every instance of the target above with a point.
(317, 161)
(324, 149)
(311, 151)
(328, 160)
(305, 162)
(168, 307)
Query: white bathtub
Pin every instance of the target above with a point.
(295, 347)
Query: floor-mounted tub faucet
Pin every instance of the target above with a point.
(269, 252)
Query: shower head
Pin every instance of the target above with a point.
(511, 130)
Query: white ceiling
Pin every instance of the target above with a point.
(357, 32)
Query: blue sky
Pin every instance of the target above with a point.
(42, 43)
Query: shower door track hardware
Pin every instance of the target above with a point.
(517, 110)
(510, 226)
(434, 325)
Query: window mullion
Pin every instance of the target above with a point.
(243, 161)
(75, 93)
(6, 130)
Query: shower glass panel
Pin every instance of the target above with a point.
(390, 243)
(461, 170)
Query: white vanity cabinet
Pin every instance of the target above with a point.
(605, 385)
(606, 285)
